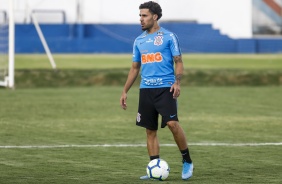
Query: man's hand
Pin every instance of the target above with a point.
(123, 100)
(175, 88)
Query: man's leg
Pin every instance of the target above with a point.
(178, 134)
(152, 143)
(180, 139)
(152, 146)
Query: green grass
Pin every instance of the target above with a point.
(111, 61)
(111, 69)
(92, 116)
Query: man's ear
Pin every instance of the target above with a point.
(155, 16)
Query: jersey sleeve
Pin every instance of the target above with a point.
(174, 45)
(136, 56)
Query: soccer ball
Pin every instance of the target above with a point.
(158, 169)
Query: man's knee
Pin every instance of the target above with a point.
(151, 133)
(173, 125)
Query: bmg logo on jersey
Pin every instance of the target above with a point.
(151, 57)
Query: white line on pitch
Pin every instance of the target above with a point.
(134, 145)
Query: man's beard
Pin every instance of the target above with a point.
(144, 28)
(147, 28)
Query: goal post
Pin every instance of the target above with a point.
(7, 45)
(7, 49)
(42, 38)
(11, 71)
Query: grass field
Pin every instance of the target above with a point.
(191, 61)
(34, 71)
(81, 135)
(92, 116)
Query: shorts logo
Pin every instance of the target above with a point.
(151, 58)
(138, 118)
(158, 40)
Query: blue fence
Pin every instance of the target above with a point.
(118, 38)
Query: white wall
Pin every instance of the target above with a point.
(232, 17)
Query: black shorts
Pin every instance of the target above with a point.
(155, 101)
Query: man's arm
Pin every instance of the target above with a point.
(132, 75)
(178, 74)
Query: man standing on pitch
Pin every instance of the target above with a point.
(156, 51)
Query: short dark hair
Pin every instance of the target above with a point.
(153, 7)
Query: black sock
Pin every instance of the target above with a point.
(186, 156)
(154, 157)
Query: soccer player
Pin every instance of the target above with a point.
(155, 52)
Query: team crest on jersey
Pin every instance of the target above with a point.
(158, 40)
(138, 118)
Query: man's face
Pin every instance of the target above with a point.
(146, 19)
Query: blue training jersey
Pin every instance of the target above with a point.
(155, 52)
